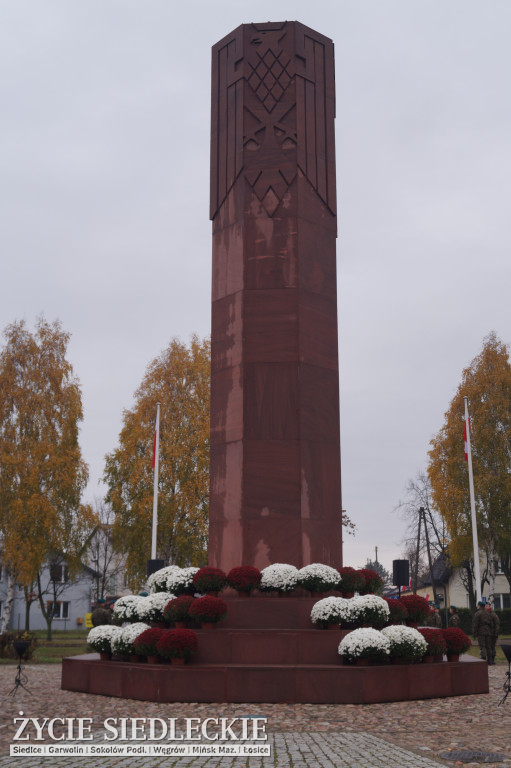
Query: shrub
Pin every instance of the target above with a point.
(100, 638)
(179, 643)
(398, 612)
(405, 643)
(244, 578)
(330, 610)
(318, 577)
(279, 577)
(152, 606)
(364, 644)
(351, 580)
(417, 607)
(208, 609)
(456, 640)
(122, 642)
(178, 608)
(373, 584)
(126, 608)
(435, 640)
(173, 579)
(209, 580)
(145, 644)
(368, 609)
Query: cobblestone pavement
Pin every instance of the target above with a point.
(398, 734)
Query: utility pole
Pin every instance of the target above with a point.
(376, 555)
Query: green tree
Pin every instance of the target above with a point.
(487, 384)
(180, 380)
(42, 473)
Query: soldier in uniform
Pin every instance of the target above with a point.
(434, 618)
(454, 617)
(483, 631)
(495, 624)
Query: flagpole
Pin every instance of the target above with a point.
(477, 571)
(156, 451)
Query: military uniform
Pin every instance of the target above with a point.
(483, 629)
(435, 620)
(495, 624)
(454, 620)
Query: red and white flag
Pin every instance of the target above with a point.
(466, 437)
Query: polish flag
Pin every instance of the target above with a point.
(465, 437)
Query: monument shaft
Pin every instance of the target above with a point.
(275, 487)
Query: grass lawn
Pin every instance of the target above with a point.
(63, 643)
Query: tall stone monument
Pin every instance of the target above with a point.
(275, 492)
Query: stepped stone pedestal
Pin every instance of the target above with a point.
(268, 651)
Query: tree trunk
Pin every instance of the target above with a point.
(9, 600)
(45, 610)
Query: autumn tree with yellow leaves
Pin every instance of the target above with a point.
(42, 473)
(179, 379)
(487, 384)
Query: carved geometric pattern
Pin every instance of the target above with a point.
(269, 78)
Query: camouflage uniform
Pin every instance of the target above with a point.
(483, 631)
(435, 620)
(454, 620)
(495, 625)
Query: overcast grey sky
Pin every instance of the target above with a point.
(104, 183)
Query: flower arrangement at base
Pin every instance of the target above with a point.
(398, 612)
(435, 640)
(330, 610)
(244, 578)
(208, 610)
(368, 609)
(178, 608)
(152, 607)
(177, 643)
(122, 643)
(127, 608)
(209, 579)
(279, 577)
(351, 581)
(417, 607)
(364, 644)
(373, 584)
(100, 638)
(173, 579)
(318, 577)
(405, 643)
(145, 644)
(456, 640)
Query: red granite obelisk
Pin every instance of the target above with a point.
(275, 489)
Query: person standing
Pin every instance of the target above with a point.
(495, 626)
(434, 619)
(482, 629)
(454, 617)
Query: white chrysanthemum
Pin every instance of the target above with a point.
(122, 643)
(405, 642)
(157, 581)
(100, 638)
(151, 609)
(318, 577)
(368, 609)
(126, 608)
(364, 643)
(330, 609)
(279, 576)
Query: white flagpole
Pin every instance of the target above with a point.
(155, 486)
(477, 571)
